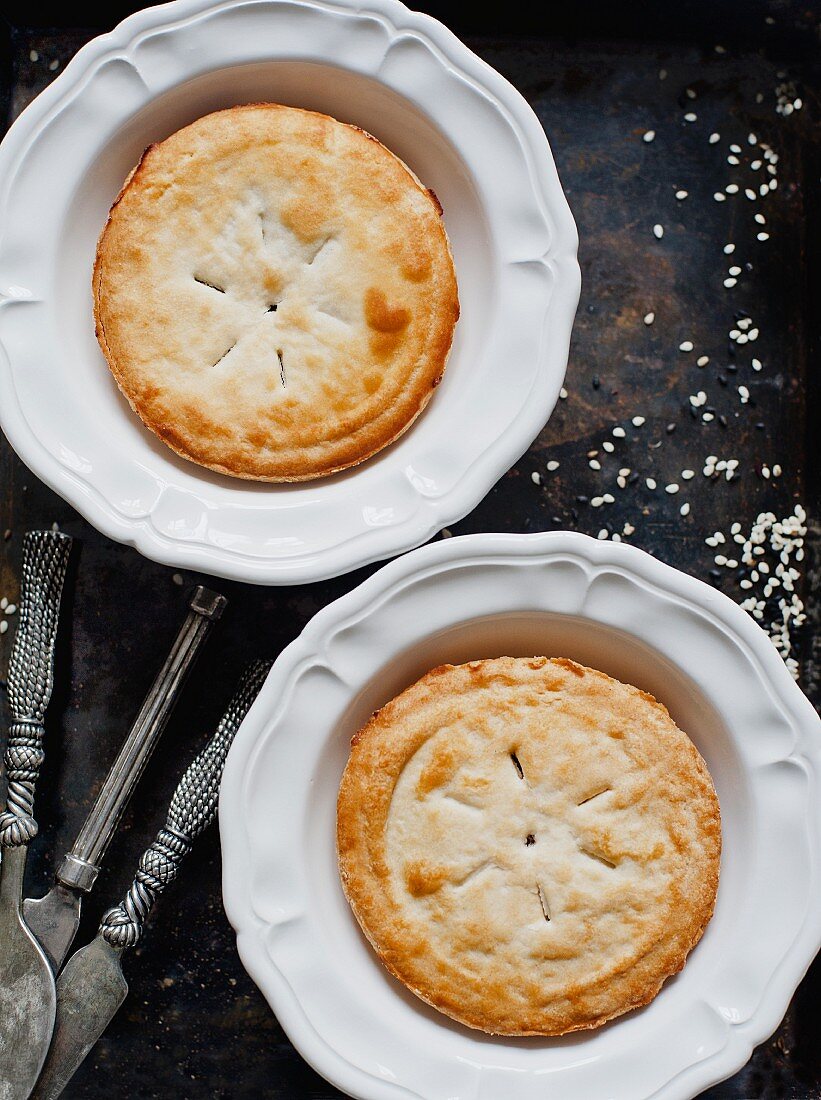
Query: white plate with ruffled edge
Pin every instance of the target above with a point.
(610, 606)
(461, 127)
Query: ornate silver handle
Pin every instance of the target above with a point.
(81, 865)
(31, 678)
(192, 809)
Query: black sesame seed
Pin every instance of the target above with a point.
(722, 381)
(670, 429)
(723, 421)
(596, 381)
(582, 499)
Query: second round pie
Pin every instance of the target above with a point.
(530, 845)
(274, 293)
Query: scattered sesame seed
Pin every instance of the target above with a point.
(688, 474)
(34, 55)
(637, 421)
(608, 446)
(691, 116)
(681, 195)
(735, 270)
(730, 283)
(662, 74)
(702, 360)
(603, 534)
(552, 465)
(649, 318)
(756, 364)
(690, 93)
(752, 139)
(3, 626)
(658, 231)
(744, 394)
(732, 159)
(446, 533)
(761, 219)
(53, 66)
(735, 148)
(594, 464)
(684, 510)
(719, 197)
(11, 608)
(177, 578)
(707, 417)
(562, 394)
(751, 195)
(4, 603)
(650, 482)
(672, 488)
(731, 188)
(536, 477)
(608, 498)
(624, 471)
(619, 433)
(648, 135)
(714, 138)
(686, 345)
(628, 529)
(597, 502)
(729, 249)
(763, 236)
(776, 470)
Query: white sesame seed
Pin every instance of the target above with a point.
(765, 472)
(702, 360)
(662, 74)
(597, 502)
(552, 465)
(735, 270)
(690, 93)
(4, 603)
(624, 471)
(536, 477)
(776, 470)
(762, 236)
(628, 529)
(756, 364)
(684, 510)
(733, 160)
(729, 249)
(603, 533)
(681, 195)
(608, 446)
(707, 417)
(755, 165)
(649, 318)
(637, 421)
(53, 66)
(744, 394)
(658, 231)
(616, 537)
(11, 608)
(177, 579)
(745, 584)
(731, 188)
(743, 337)
(713, 138)
(608, 498)
(619, 433)
(735, 148)
(648, 135)
(621, 481)
(720, 559)
(753, 334)
(719, 197)
(3, 626)
(594, 464)
(671, 488)
(686, 345)
(748, 191)
(732, 563)
(688, 474)
(773, 184)
(752, 139)
(691, 116)
(34, 55)
(562, 394)
(730, 283)
(650, 482)
(744, 322)
(761, 219)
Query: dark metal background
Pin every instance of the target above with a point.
(194, 1026)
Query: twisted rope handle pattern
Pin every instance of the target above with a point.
(193, 807)
(31, 678)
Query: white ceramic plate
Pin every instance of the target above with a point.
(463, 129)
(610, 606)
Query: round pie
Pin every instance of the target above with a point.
(274, 293)
(529, 845)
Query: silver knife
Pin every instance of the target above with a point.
(92, 987)
(54, 919)
(27, 997)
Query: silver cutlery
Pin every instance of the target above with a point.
(54, 919)
(92, 987)
(27, 994)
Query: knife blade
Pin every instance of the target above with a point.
(92, 987)
(27, 994)
(54, 919)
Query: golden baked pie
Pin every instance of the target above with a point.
(274, 293)
(529, 845)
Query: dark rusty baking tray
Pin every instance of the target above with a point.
(194, 1025)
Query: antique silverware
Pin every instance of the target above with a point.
(27, 997)
(92, 987)
(54, 919)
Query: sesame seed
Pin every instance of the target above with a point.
(648, 135)
(731, 188)
(628, 529)
(672, 488)
(3, 626)
(752, 139)
(650, 482)
(649, 318)
(735, 271)
(729, 249)
(681, 195)
(53, 66)
(536, 477)
(707, 417)
(11, 608)
(688, 474)
(637, 421)
(619, 433)
(603, 533)
(761, 219)
(703, 360)
(34, 55)
(755, 165)
(690, 93)
(713, 138)
(4, 603)
(762, 236)
(624, 471)
(658, 230)
(608, 446)
(735, 148)
(594, 464)
(597, 502)
(719, 197)
(720, 559)
(608, 498)
(562, 394)
(621, 481)
(662, 74)
(729, 283)
(684, 510)
(776, 473)
(691, 116)
(552, 465)
(756, 364)
(733, 160)
(748, 191)
(686, 345)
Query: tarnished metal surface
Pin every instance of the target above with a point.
(194, 1026)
